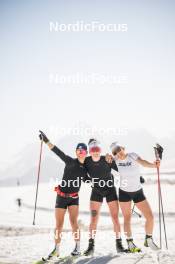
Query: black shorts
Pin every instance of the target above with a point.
(62, 202)
(136, 197)
(110, 195)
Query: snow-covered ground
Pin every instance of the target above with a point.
(21, 242)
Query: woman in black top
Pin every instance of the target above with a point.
(99, 171)
(67, 193)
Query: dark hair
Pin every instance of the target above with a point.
(91, 140)
(81, 146)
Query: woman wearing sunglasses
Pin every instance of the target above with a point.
(131, 190)
(67, 193)
(99, 171)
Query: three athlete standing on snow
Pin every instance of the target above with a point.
(99, 167)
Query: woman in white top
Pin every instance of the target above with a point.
(131, 190)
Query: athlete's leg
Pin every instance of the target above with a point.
(114, 210)
(73, 217)
(59, 216)
(126, 211)
(145, 208)
(95, 210)
(95, 205)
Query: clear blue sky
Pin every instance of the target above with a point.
(29, 52)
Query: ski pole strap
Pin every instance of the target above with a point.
(65, 195)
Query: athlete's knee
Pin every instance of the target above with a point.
(94, 213)
(115, 218)
(94, 219)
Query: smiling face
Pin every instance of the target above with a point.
(95, 153)
(119, 153)
(81, 154)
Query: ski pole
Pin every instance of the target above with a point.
(158, 153)
(134, 212)
(162, 210)
(39, 168)
(160, 219)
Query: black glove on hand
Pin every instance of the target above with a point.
(43, 137)
(142, 180)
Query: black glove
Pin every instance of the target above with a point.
(159, 150)
(43, 137)
(142, 180)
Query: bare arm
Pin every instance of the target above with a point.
(148, 164)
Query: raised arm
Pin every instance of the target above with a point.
(54, 148)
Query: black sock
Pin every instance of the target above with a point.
(91, 241)
(148, 236)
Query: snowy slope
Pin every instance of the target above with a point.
(21, 243)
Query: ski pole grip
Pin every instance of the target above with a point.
(156, 153)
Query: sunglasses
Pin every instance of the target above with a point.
(116, 151)
(95, 149)
(82, 151)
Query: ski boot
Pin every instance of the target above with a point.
(132, 247)
(53, 255)
(90, 249)
(150, 243)
(119, 246)
(76, 251)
